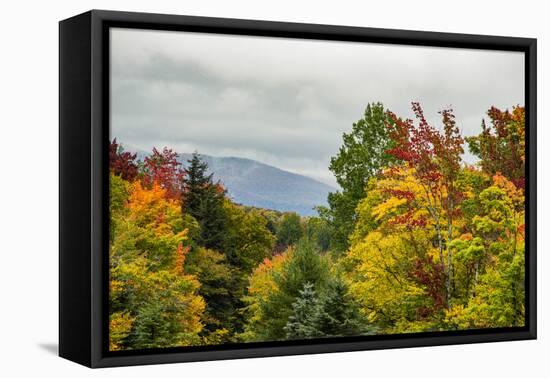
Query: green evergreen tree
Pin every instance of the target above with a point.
(331, 313)
(337, 313)
(203, 199)
(302, 323)
(305, 266)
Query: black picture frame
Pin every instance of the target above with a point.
(83, 194)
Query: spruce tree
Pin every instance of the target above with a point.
(203, 199)
(327, 314)
(306, 266)
(301, 324)
(337, 313)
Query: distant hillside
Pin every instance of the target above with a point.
(252, 183)
(249, 182)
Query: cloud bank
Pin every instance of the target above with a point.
(286, 102)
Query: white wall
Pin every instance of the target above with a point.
(28, 199)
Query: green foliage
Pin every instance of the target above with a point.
(318, 231)
(302, 323)
(289, 230)
(361, 157)
(332, 313)
(247, 240)
(152, 303)
(363, 152)
(271, 309)
(219, 287)
(165, 318)
(339, 313)
(415, 241)
(203, 200)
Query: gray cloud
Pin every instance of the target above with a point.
(286, 102)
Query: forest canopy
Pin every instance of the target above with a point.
(414, 240)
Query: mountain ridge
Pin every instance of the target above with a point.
(253, 183)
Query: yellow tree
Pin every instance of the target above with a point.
(393, 263)
(496, 249)
(152, 302)
(261, 285)
(435, 157)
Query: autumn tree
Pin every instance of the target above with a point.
(494, 254)
(261, 285)
(152, 301)
(381, 270)
(164, 169)
(434, 158)
(122, 163)
(501, 145)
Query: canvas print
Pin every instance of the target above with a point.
(271, 189)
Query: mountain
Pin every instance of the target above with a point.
(252, 183)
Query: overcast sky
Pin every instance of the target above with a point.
(286, 102)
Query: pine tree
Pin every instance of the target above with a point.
(203, 199)
(193, 186)
(331, 313)
(338, 314)
(305, 266)
(302, 323)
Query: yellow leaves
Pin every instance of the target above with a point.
(148, 280)
(181, 252)
(120, 324)
(261, 281)
(151, 208)
(219, 336)
(116, 288)
(389, 207)
(141, 198)
(378, 276)
(191, 322)
(261, 286)
(515, 194)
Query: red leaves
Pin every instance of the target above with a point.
(432, 276)
(122, 163)
(501, 146)
(406, 194)
(164, 169)
(433, 154)
(409, 220)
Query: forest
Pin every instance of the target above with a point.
(415, 240)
